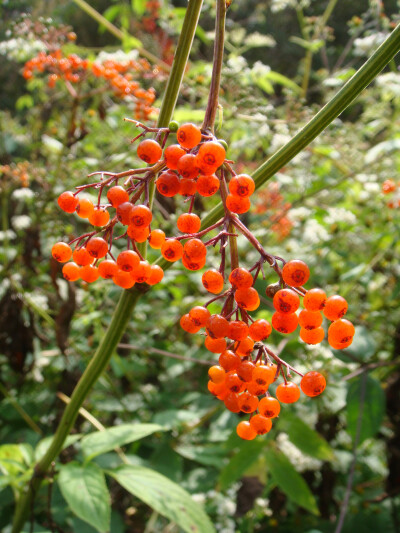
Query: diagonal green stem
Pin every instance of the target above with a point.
(126, 303)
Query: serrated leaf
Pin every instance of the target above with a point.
(44, 444)
(365, 399)
(305, 438)
(85, 491)
(289, 480)
(164, 496)
(240, 462)
(105, 441)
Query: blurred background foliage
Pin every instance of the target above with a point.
(283, 60)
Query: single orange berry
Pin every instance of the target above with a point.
(313, 383)
(199, 315)
(245, 431)
(242, 185)
(61, 252)
(310, 319)
(211, 154)
(123, 279)
(156, 238)
(341, 331)
(286, 301)
(71, 271)
(168, 184)
(195, 249)
(128, 260)
(233, 383)
(340, 345)
(188, 325)
(215, 345)
(193, 265)
(141, 273)
(217, 374)
(245, 370)
(217, 388)
(188, 223)
(99, 217)
(244, 347)
(285, 323)
(84, 208)
(238, 330)
(67, 202)
(82, 257)
(248, 402)
(217, 327)
(172, 154)
(314, 299)
(138, 234)
(89, 273)
(149, 151)
(256, 389)
(269, 407)
(229, 360)
(288, 392)
(240, 278)
(237, 204)
(261, 424)
(207, 185)
(295, 273)
(260, 330)
(108, 268)
(97, 247)
(213, 281)
(232, 402)
(187, 187)
(172, 250)
(247, 298)
(312, 336)
(156, 275)
(187, 166)
(335, 307)
(188, 135)
(264, 374)
(124, 212)
(117, 195)
(140, 216)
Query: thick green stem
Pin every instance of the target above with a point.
(126, 303)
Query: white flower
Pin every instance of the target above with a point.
(21, 222)
(366, 45)
(23, 193)
(339, 214)
(119, 56)
(20, 49)
(314, 233)
(199, 497)
(237, 64)
(7, 235)
(279, 140)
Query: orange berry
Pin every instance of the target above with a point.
(388, 186)
(67, 202)
(89, 273)
(193, 265)
(99, 217)
(217, 327)
(97, 247)
(229, 360)
(238, 330)
(240, 278)
(313, 383)
(188, 325)
(187, 187)
(156, 238)
(82, 257)
(117, 195)
(124, 212)
(195, 249)
(245, 370)
(172, 154)
(188, 223)
(237, 204)
(211, 154)
(248, 402)
(335, 307)
(233, 383)
(207, 185)
(295, 273)
(217, 374)
(256, 389)
(340, 345)
(187, 166)
(213, 281)
(84, 208)
(168, 184)
(141, 273)
(314, 299)
(128, 260)
(215, 345)
(285, 323)
(217, 388)
(264, 374)
(312, 336)
(188, 135)
(199, 315)
(140, 216)
(341, 331)
(123, 279)
(172, 250)
(108, 268)
(242, 185)
(261, 424)
(156, 275)
(61, 252)
(149, 151)
(245, 431)
(244, 347)
(286, 301)
(269, 407)
(260, 330)
(71, 271)
(310, 319)
(247, 298)
(138, 234)
(288, 392)
(232, 402)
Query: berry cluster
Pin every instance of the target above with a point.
(119, 76)
(389, 187)
(197, 164)
(271, 203)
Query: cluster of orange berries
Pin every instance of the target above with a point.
(197, 164)
(118, 75)
(388, 187)
(270, 202)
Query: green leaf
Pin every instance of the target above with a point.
(276, 77)
(289, 480)
(84, 489)
(365, 399)
(11, 459)
(305, 438)
(205, 455)
(104, 441)
(241, 462)
(139, 6)
(164, 496)
(313, 46)
(44, 444)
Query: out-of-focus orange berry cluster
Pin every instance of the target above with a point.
(392, 188)
(271, 202)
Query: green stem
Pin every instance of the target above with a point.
(126, 303)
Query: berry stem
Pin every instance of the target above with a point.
(212, 104)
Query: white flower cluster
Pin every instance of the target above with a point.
(20, 222)
(389, 83)
(225, 506)
(365, 46)
(339, 214)
(7, 235)
(296, 457)
(280, 5)
(23, 194)
(20, 49)
(314, 233)
(118, 56)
